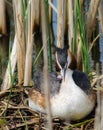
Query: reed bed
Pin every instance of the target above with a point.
(33, 23)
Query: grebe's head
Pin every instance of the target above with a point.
(63, 60)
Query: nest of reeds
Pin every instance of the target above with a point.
(16, 115)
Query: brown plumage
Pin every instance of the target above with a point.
(73, 63)
(37, 97)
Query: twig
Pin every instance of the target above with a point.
(92, 44)
(78, 124)
(3, 93)
(96, 79)
(93, 8)
(32, 121)
(15, 107)
(54, 8)
(9, 117)
(6, 128)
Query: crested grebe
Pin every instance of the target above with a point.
(70, 99)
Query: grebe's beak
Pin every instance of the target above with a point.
(63, 71)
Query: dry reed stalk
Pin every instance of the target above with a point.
(100, 10)
(33, 22)
(102, 96)
(60, 22)
(50, 13)
(91, 16)
(97, 125)
(35, 13)
(3, 55)
(2, 17)
(20, 38)
(65, 18)
(45, 53)
(32, 19)
(13, 60)
(70, 22)
(102, 109)
(50, 19)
